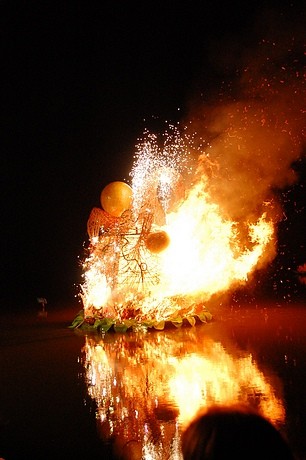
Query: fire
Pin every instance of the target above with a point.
(206, 255)
(175, 247)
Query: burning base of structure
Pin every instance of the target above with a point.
(162, 247)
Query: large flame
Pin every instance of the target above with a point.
(176, 247)
(205, 204)
(206, 255)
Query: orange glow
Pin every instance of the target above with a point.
(116, 198)
(301, 272)
(176, 247)
(157, 241)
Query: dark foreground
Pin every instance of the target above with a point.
(42, 411)
(46, 411)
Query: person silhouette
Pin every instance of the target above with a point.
(233, 432)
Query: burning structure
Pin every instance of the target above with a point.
(160, 248)
(200, 213)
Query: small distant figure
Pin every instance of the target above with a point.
(233, 432)
(43, 312)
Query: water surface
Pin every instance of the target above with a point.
(69, 394)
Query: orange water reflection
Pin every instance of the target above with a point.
(146, 387)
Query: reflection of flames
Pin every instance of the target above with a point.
(147, 388)
(208, 252)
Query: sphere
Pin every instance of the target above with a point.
(116, 198)
(157, 241)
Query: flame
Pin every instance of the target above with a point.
(211, 186)
(205, 255)
(208, 252)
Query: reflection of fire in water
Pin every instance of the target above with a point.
(163, 247)
(146, 388)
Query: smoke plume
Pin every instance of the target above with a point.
(253, 134)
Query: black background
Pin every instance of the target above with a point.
(80, 81)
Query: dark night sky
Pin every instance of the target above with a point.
(79, 83)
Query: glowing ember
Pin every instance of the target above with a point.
(301, 272)
(163, 258)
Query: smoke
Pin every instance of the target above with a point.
(252, 135)
(248, 113)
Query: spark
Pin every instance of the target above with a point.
(131, 273)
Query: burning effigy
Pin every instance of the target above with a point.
(198, 216)
(160, 247)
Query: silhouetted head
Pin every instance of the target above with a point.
(238, 432)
